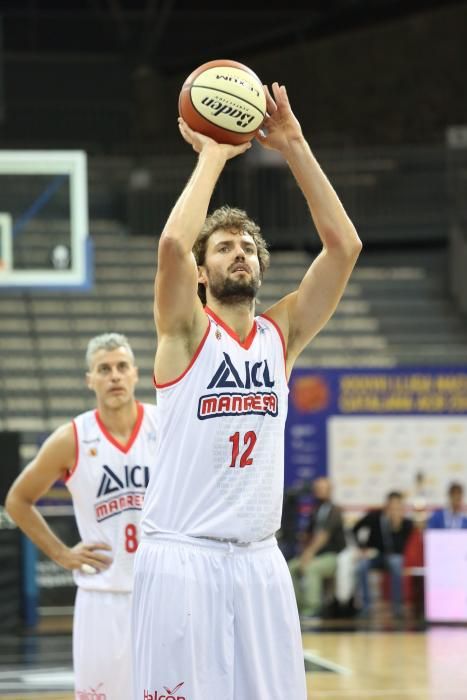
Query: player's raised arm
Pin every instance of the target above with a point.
(53, 461)
(304, 312)
(176, 283)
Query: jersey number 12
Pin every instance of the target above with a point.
(249, 441)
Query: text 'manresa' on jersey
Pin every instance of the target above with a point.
(108, 486)
(220, 454)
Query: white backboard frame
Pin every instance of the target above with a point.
(74, 165)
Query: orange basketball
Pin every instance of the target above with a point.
(224, 100)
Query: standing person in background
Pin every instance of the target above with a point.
(382, 536)
(453, 516)
(214, 610)
(105, 456)
(324, 540)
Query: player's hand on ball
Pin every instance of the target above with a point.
(89, 558)
(280, 127)
(199, 141)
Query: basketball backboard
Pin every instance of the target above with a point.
(44, 240)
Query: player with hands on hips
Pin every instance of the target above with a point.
(105, 457)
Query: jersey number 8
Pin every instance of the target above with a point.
(131, 539)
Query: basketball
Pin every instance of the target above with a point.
(224, 100)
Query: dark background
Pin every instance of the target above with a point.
(104, 75)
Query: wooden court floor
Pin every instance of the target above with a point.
(369, 664)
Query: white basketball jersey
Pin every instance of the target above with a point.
(220, 456)
(108, 484)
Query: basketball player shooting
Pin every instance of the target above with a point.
(214, 611)
(105, 456)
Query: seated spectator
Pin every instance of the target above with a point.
(453, 515)
(382, 536)
(324, 539)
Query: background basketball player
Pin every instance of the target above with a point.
(214, 608)
(105, 457)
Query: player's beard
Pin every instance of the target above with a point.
(231, 291)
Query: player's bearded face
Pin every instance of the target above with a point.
(231, 270)
(232, 287)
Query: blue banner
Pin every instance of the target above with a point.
(316, 396)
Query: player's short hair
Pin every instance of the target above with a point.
(455, 487)
(107, 341)
(229, 218)
(392, 495)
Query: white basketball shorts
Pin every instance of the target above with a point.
(215, 621)
(102, 645)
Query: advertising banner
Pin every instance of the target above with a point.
(373, 431)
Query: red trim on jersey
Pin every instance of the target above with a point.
(281, 336)
(73, 469)
(192, 362)
(134, 432)
(277, 327)
(246, 344)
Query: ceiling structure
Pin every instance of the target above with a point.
(175, 35)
